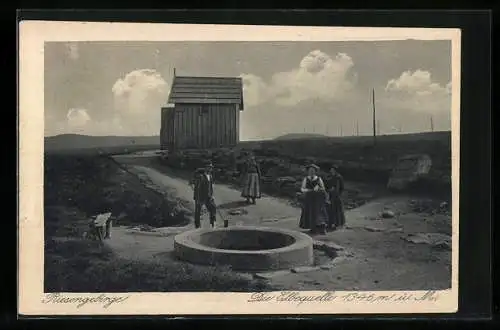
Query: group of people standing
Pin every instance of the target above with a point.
(322, 207)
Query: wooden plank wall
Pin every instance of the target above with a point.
(217, 128)
(237, 120)
(167, 129)
(170, 118)
(163, 129)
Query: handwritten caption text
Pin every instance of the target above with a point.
(354, 297)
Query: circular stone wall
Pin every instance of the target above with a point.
(245, 248)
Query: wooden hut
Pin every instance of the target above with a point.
(203, 113)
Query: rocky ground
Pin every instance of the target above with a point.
(391, 241)
(409, 236)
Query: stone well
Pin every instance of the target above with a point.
(245, 248)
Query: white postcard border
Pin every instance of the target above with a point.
(32, 300)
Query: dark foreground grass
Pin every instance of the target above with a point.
(92, 184)
(90, 266)
(80, 185)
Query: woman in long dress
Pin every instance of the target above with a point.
(251, 181)
(314, 216)
(334, 184)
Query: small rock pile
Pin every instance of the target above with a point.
(430, 206)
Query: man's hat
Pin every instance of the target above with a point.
(208, 163)
(316, 167)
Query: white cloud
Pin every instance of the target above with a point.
(77, 118)
(318, 76)
(139, 91)
(73, 50)
(418, 82)
(138, 98)
(417, 91)
(255, 89)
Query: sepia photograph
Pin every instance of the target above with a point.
(262, 167)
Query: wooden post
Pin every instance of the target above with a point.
(374, 118)
(432, 125)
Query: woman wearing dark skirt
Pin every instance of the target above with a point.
(334, 185)
(314, 216)
(251, 181)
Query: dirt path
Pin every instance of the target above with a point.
(378, 259)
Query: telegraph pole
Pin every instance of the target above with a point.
(432, 124)
(374, 118)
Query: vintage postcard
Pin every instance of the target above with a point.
(214, 169)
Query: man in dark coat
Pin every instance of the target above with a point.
(202, 183)
(334, 184)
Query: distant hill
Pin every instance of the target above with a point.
(298, 136)
(76, 141)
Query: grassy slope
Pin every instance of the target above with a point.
(77, 186)
(361, 149)
(76, 141)
(358, 159)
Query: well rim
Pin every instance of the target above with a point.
(301, 240)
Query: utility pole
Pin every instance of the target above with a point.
(432, 124)
(374, 120)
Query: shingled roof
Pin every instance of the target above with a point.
(204, 90)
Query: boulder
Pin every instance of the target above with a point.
(304, 269)
(408, 170)
(387, 214)
(436, 240)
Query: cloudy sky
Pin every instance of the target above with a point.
(117, 88)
